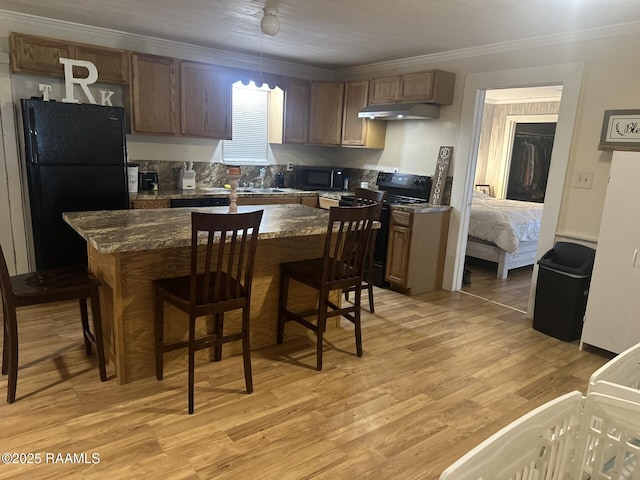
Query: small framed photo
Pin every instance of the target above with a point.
(620, 130)
(486, 189)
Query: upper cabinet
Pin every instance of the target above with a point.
(360, 132)
(113, 65)
(327, 103)
(297, 94)
(41, 56)
(205, 100)
(151, 102)
(435, 86)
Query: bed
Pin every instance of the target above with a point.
(503, 231)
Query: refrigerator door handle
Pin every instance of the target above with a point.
(33, 133)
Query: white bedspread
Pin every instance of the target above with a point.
(504, 222)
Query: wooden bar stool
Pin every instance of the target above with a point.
(346, 242)
(47, 286)
(220, 284)
(365, 196)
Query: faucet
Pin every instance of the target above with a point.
(263, 172)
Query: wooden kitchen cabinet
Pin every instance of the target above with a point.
(325, 115)
(435, 86)
(205, 100)
(113, 64)
(152, 97)
(360, 132)
(297, 94)
(384, 89)
(35, 55)
(416, 250)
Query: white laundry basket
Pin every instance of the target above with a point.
(569, 438)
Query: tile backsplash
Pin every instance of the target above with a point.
(215, 175)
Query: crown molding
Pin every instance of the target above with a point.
(42, 26)
(417, 62)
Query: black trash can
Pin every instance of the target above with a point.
(564, 275)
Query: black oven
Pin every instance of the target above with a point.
(402, 189)
(320, 178)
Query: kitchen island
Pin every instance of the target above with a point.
(127, 249)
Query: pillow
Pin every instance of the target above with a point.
(479, 194)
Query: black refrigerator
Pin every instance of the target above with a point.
(76, 161)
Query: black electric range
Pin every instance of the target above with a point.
(402, 189)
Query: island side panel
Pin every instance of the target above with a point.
(132, 302)
(106, 268)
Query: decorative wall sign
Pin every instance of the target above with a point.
(70, 80)
(439, 179)
(620, 130)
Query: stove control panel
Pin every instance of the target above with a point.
(405, 184)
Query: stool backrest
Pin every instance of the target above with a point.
(229, 257)
(5, 285)
(366, 196)
(348, 236)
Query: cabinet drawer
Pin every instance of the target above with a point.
(401, 218)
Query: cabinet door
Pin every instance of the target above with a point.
(37, 55)
(360, 132)
(611, 317)
(354, 129)
(112, 64)
(205, 100)
(435, 86)
(416, 87)
(398, 254)
(153, 94)
(384, 90)
(325, 123)
(296, 111)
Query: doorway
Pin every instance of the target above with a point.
(513, 162)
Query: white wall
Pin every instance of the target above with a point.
(609, 82)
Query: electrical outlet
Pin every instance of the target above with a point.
(289, 167)
(582, 179)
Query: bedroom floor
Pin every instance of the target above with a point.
(512, 292)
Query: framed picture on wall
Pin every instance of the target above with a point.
(486, 189)
(620, 130)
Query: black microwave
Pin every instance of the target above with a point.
(320, 178)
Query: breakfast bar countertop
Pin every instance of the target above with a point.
(219, 192)
(117, 231)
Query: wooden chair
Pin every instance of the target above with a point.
(220, 284)
(346, 242)
(364, 196)
(47, 286)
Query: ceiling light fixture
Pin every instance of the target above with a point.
(270, 25)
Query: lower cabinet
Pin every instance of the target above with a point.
(416, 250)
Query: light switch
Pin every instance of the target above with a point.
(582, 179)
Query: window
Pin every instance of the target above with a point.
(250, 126)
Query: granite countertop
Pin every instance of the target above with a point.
(150, 229)
(421, 208)
(220, 192)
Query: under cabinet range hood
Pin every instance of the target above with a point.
(401, 111)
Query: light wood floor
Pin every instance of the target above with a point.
(512, 291)
(440, 372)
